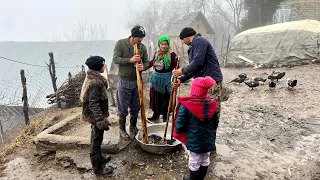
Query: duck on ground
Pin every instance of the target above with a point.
(238, 80)
(292, 83)
(276, 75)
(243, 76)
(272, 84)
(252, 84)
(259, 79)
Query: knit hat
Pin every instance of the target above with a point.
(187, 32)
(165, 55)
(95, 62)
(201, 85)
(138, 31)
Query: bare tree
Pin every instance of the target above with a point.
(231, 11)
(87, 32)
(53, 38)
(150, 16)
(223, 15)
(201, 5)
(155, 14)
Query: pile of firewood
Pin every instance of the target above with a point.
(69, 92)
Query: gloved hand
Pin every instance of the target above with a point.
(103, 125)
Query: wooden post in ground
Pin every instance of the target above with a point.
(25, 97)
(110, 85)
(52, 71)
(1, 132)
(226, 61)
(222, 45)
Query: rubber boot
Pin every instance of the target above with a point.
(105, 159)
(97, 165)
(193, 175)
(133, 126)
(164, 117)
(122, 125)
(203, 172)
(154, 117)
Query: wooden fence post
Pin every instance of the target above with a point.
(1, 132)
(222, 45)
(228, 44)
(25, 97)
(52, 71)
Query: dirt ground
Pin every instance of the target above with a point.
(263, 134)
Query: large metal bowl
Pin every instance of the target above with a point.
(158, 129)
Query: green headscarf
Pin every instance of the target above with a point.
(166, 57)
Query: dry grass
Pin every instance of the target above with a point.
(25, 137)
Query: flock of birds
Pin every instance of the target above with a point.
(256, 81)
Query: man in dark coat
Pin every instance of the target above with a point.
(202, 62)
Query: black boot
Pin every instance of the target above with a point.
(105, 159)
(122, 126)
(154, 117)
(98, 167)
(203, 172)
(193, 175)
(164, 117)
(133, 126)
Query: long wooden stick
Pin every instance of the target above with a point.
(171, 103)
(140, 90)
(175, 80)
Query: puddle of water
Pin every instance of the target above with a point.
(223, 150)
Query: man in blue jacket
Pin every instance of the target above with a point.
(202, 62)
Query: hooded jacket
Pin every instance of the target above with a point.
(197, 118)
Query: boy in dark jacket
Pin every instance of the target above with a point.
(197, 118)
(95, 110)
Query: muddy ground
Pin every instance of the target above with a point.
(263, 134)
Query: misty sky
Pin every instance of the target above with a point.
(40, 20)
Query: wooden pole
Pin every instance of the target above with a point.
(69, 76)
(111, 91)
(25, 97)
(222, 45)
(140, 90)
(52, 71)
(1, 132)
(226, 61)
(171, 104)
(174, 101)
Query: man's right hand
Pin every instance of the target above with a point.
(177, 84)
(135, 58)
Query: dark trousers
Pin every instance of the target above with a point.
(96, 140)
(128, 97)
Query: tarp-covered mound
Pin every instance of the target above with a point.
(278, 45)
